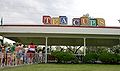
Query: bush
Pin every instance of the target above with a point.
(63, 57)
(90, 58)
(104, 57)
(109, 58)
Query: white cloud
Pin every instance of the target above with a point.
(31, 11)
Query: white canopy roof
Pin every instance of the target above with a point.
(61, 35)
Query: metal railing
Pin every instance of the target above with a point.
(14, 59)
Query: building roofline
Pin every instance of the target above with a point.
(66, 26)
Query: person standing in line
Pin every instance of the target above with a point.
(8, 55)
(43, 54)
(3, 55)
(40, 56)
(21, 53)
(25, 55)
(13, 53)
(17, 52)
(31, 52)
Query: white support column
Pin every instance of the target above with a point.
(84, 46)
(46, 49)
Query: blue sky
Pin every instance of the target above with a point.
(31, 11)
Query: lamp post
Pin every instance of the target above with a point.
(1, 21)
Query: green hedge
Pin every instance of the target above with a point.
(109, 58)
(63, 57)
(90, 58)
(104, 57)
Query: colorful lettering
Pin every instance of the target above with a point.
(46, 19)
(84, 21)
(63, 19)
(55, 21)
(100, 21)
(76, 21)
(93, 22)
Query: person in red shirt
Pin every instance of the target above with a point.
(31, 52)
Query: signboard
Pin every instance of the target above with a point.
(100, 21)
(76, 21)
(85, 20)
(46, 19)
(61, 20)
(55, 20)
(93, 22)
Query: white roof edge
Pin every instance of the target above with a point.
(59, 30)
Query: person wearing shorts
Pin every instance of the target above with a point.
(18, 54)
(31, 52)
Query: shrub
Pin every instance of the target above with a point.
(107, 57)
(63, 57)
(90, 58)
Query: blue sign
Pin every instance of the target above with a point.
(63, 19)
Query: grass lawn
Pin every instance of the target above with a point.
(64, 67)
